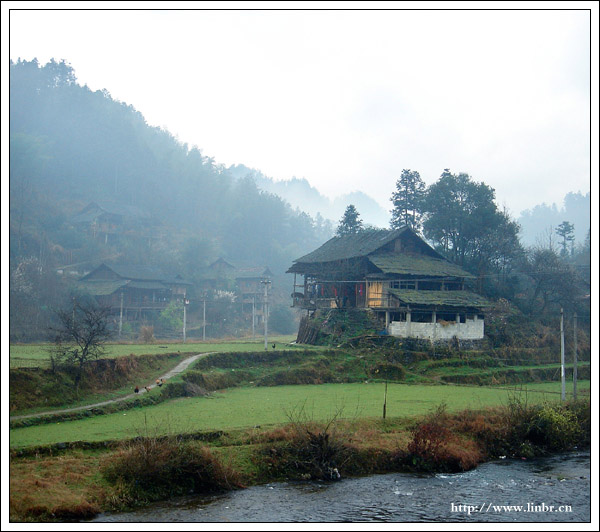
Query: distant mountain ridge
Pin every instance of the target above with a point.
(299, 193)
(539, 223)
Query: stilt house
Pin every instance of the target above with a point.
(395, 274)
(137, 291)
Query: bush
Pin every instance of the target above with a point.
(151, 468)
(523, 430)
(147, 334)
(434, 447)
(170, 318)
(309, 450)
(553, 427)
(387, 370)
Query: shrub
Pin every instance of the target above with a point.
(147, 334)
(434, 447)
(533, 430)
(582, 412)
(387, 370)
(309, 450)
(554, 428)
(151, 468)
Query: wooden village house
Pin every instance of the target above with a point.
(413, 289)
(219, 275)
(135, 291)
(110, 221)
(250, 284)
(244, 282)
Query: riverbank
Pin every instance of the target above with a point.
(552, 489)
(75, 483)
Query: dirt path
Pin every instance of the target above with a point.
(179, 368)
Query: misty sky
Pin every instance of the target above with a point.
(347, 99)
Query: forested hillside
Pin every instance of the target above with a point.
(70, 146)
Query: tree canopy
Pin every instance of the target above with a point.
(463, 220)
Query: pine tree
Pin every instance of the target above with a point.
(565, 231)
(350, 222)
(408, 201)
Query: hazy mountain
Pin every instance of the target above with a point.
(540, 222)
(299, 193)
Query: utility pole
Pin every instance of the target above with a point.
(121, 316)
(385, 399)
(253, 315)
(204, 318)
(266, 282)
(575, 357)
(562, 356)
(186, 302)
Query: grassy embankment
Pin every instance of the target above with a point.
(34, 391)
(251, 406)
(36, 355)
(35, 388)
(76, 483)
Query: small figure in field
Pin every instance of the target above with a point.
(157, 382)
(273, 346)
(137, 390)
(147, 389)
(162, 381)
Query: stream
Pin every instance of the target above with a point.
(550, 489)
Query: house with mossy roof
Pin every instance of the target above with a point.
(395, 274)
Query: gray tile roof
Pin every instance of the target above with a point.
(416, 264)
(440, 298)
(352, 246)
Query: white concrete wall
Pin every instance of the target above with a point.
(471, 330)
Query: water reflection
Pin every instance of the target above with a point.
(508, 490)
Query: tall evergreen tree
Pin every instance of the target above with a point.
(350, 222)
(408, 200)
(565, 231)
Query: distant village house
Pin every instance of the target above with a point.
(109, 220)
(137, 291)
(246, 284)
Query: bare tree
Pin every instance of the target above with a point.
(80, 337)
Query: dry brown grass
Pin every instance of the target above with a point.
(153, 468)
(61, 488)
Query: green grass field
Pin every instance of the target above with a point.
(248, 407)
(37, 355)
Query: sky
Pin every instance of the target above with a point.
(346, 98)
